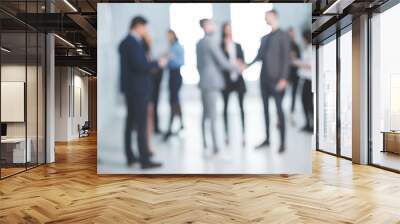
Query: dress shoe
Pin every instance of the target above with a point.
(307, 129)
(132, 161)
(167, 135)
(227, 141)
(157, 131)
(282, 149)
(216, 150)
(264, 144)
(205, 144)
(150, 164)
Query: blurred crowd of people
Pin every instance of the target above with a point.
(220, 63)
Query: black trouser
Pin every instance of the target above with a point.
(136, 118)
(155, 96)
(294, 79)
(269, 90)
(175, 84)
(307, 100)
(226, 94)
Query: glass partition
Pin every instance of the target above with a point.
(385, 90)
(346, 94)
(327, 97)
(23, 91)
(14, 153)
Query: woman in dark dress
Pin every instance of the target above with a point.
(176, 60)
(234, 82)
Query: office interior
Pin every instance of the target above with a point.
(183, 153)
(48, 78)
(372, 94)
(33, 119)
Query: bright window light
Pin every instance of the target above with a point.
(248, 26)
(184, 21)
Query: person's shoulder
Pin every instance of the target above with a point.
(264, 37)
(123, 42)
(284, 33)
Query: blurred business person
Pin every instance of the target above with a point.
(154, 72)
(135, 84)
(293, 72)
(234, 81)
(175, 62)
(210, 63)
(304, 65)
(274, 54)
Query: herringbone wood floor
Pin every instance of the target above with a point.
(70, 191)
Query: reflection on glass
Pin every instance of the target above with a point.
(327, 97)
(385, 86)
(14, 153)
(31, 99)
(22, 92)
(41, 99)
(346, 94)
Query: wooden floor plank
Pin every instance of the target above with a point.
(70, 191)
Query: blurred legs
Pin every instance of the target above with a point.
(267, 92)
(129, 125)
(307, 101)
(209, 100)
(225, 95)
(150, 126)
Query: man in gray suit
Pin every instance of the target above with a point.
(210, 64)
(274, 54)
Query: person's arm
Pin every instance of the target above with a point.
(285, 54)
(302, 64)
(259, 53)
(285, 62)
(218, 55)
(240, 54)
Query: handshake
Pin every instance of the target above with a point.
(242, 66)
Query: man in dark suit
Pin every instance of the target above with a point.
(274, 53)
(136, 83)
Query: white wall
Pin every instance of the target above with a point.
(69, 82)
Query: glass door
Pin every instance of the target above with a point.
(346, 93)
(385, 90)
(327, 97)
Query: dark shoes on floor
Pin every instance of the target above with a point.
(150, 164)
(263, 144)
(307, 129)
(166, 136)
(282, 149)
(144, 165)
(215, 151)
(132, 161)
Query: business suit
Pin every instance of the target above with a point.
(274, 53)
(210, 63)
(135, 84)
(233, 84)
